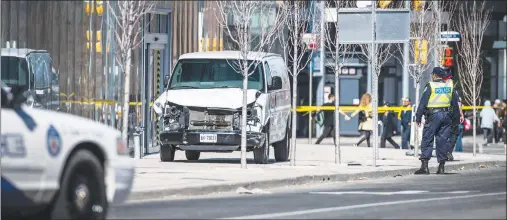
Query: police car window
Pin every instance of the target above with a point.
(214, 73)
(15, 71)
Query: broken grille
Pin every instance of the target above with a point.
(203, 121)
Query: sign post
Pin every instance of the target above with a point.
(310, 40)
(371, 26)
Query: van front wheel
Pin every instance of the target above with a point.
(261, 154)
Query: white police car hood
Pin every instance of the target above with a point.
(230, 98)
(74, 125)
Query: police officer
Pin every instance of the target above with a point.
(436, 105)
(457, 119)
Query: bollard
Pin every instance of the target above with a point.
(137, 145)
(138, 148)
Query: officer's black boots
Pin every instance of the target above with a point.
(449, 156)
(424, 168)
(441, 167)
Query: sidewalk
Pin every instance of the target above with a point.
(220, 172)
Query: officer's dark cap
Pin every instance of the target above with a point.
(439, 71)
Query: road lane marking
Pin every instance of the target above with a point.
(340, 208)
(406, 192)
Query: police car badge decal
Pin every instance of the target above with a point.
(54, 141)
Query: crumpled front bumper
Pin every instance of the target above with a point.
(226, 140)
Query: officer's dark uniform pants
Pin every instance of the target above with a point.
(437, 125)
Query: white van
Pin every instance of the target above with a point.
(201, 107)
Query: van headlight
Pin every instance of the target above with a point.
(172, 118)
(252, 117)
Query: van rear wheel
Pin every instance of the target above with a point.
(282, 148)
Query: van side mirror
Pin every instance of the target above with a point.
(276, 83)
(166, 80)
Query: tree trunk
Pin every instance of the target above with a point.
(294, 121)
(337, 150)
(295, 68)
(243, 112)
(474, 106)
(416, 128)
(375, 115)
(126, 96)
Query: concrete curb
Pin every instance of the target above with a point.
(314, 179)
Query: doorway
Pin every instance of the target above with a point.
(157, 64)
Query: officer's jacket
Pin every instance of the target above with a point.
(437, 94)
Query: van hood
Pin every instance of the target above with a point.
(231, 98)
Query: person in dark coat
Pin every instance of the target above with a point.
(389, 128)
(329, 120)
(406, 122)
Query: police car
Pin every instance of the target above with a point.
(57, 165)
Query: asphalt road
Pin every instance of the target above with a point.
(477, 194)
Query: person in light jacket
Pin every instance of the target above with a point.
(365, 118)
(488, 120)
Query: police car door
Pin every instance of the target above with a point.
(24, 154)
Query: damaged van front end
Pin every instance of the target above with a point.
(214, 128)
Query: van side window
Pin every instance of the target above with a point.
(268, 73)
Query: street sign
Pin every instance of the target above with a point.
(316, 64)
(449, 36)
(392, 25)
(310, 40)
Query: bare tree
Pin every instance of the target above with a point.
(127, 16)
(341, 54)
(239, 29)
(297, 25)
(473, 19)
(380, 54)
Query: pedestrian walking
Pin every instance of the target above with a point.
(329, 121)
(458, 143)
(489, 119)
(389, 129)
(504, 124)
(436, 104)
(406, 122)
(457, 118)
(497, 128)
(365, 119)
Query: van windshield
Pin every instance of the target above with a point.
(214, 73)
(15, 71)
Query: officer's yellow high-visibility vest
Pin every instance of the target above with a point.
(441, 94)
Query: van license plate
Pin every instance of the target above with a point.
(208, 138)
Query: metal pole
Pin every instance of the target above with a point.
(405, 78)
(310, 102)
(373, 56)
(504, 75)
(1, 42)
(320, 88)
(437, 35)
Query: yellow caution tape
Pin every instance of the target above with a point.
(298, 108)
